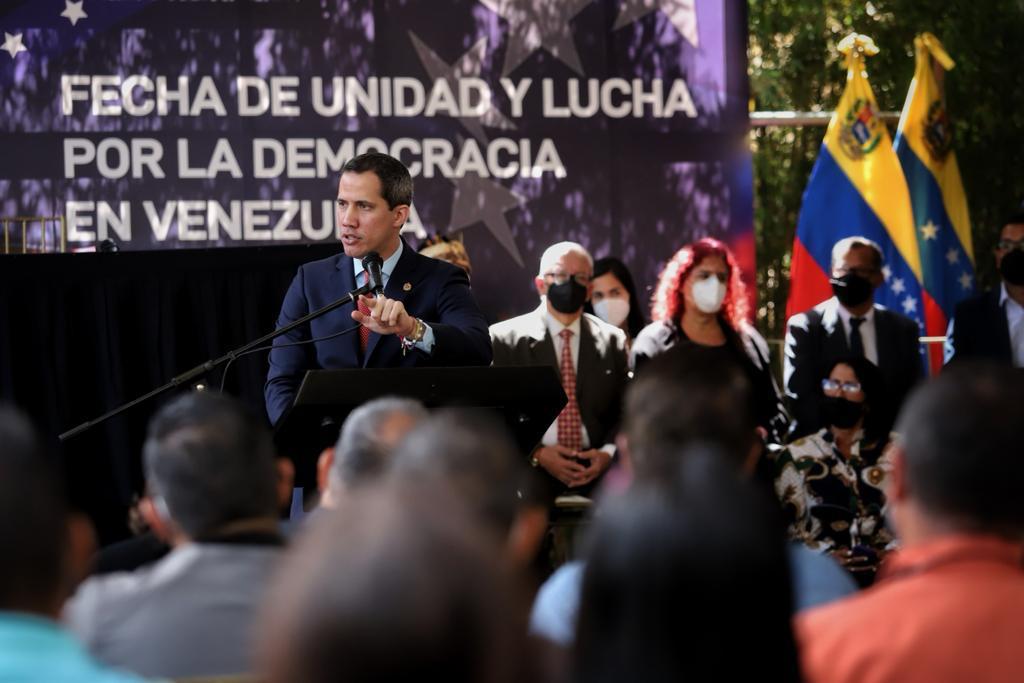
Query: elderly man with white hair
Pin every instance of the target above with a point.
(590, 357)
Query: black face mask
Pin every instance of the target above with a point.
(567, 297)
(851, 290)
(1012, 267)
(840, 412)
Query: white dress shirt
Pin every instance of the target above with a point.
(867, 332)
(1015, 323)
(555, 330)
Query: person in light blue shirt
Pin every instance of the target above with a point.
(45, 548)
(35, 648)
(816, 580)
(687, 396)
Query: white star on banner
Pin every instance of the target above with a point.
(929, 231)
(952, 256)
(73, 11)
(482, 200)
(898, 286)
(886, 272)
(12, 44)
(682, 14)
(536, 24)
(468, 65)
(909, 305)
(965, 281)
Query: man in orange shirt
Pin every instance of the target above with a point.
(949, 606)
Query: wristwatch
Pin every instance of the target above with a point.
(418, 330)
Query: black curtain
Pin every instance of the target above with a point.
(83, 333)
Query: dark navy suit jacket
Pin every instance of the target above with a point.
(434, 291)
(980, 329)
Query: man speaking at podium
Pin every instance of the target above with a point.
(426, 314)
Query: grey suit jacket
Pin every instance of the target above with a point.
(190, 614)
(816, 338)
(602, 365)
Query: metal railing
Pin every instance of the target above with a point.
(778, 346)
(34, 241)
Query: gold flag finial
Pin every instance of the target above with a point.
(927, 41)
(857, 45)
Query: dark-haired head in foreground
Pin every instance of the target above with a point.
(475, 455)
(396, 584)
(38, 564)
(687, 580)
(958, 464)
(688, 395)
(210, 466)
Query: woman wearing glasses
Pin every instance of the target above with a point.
(831, 483)
(701, 300)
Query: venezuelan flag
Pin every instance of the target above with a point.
(924, 147)
(856, 188)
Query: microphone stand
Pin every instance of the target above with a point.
(203, 368)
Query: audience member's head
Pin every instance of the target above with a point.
(703, 275)
(684, 396)
(210, 468)
(43, 551)
(475, 456)
(614, 298)
(958, 464)
(1009, 250)
(450, 249)
(396, 584)
(687, 580)
(365, 445)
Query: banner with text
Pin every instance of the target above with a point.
(621, 124)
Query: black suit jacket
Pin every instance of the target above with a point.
(816, 338)
(434, 291)
(980, 330)
(602, 369)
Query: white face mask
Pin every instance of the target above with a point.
(708, 294)
(612, 311)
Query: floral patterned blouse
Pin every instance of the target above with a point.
(833, 503)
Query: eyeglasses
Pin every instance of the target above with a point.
(561, 278)
(845, 387)
(1007, 245)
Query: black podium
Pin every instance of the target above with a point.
(528, 399)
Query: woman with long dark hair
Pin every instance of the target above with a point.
(701, 299)
(614, 299)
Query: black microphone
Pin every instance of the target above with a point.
(372, 264)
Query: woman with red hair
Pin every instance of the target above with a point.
(701, 299)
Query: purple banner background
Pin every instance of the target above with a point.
(638, 187)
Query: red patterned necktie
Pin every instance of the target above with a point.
(570, 427)
(364, 331)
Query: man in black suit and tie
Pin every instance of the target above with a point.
(850, 323)
(590, 356)
(991, 325)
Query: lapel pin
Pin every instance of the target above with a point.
(407, 287)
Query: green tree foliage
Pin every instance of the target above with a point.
(794, 65)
